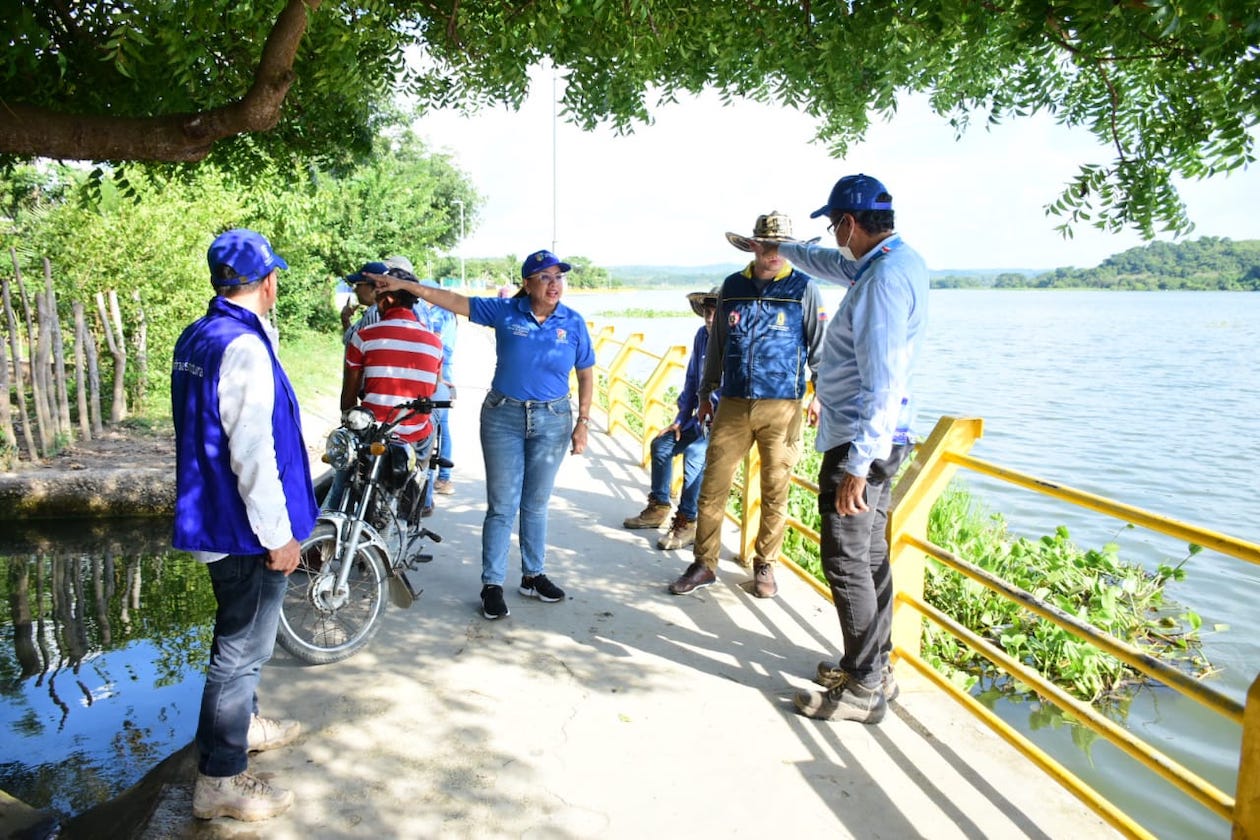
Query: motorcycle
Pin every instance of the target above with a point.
(366, 540)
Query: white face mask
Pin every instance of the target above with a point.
(845, 250)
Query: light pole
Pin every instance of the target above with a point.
(462, 282)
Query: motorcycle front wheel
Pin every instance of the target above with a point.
(319, 625)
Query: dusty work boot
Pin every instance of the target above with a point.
(696, 577)
(681, 534)
(241, 797)
(849, 700)
(270, 733)
(763, 580)
(829, 675)
(652, 516)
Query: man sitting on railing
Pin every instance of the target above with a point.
(769, 324)
(686, 436)
(864, 433)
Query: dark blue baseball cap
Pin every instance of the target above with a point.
(368, 268)
(241, 256)
(539, 260)
(852, 193)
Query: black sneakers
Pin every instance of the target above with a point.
(492, 604)
(539, 587)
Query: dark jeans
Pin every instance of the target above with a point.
(855, 561)
(249, 596)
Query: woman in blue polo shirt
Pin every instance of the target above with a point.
(526, 418)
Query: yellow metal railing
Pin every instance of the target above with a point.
(936, 462)
(652, 413)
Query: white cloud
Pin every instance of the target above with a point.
(666, 194)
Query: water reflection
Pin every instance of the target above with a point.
(102, 657)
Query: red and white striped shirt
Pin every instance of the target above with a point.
(401, 361)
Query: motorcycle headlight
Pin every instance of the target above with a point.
(357, 418)
(339, 451)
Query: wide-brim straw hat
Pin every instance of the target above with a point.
(699, 299)
(772, 227)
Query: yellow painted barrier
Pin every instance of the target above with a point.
(936, 462)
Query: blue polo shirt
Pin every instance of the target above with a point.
(533, 360)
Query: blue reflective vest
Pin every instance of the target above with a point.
(766, 348)
(209, 512)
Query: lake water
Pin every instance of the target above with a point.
(1147, 398)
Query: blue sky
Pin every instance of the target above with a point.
(666, 194)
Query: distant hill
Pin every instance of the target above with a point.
(1209, 263)
(672, 275)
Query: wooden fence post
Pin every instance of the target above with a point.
(20, 385)
(142, 352)
(117, 349)
(80, 359)
(32, 361)
(59, 356)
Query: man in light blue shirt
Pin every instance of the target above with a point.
(864, 432)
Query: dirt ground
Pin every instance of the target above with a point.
(124, 446)
(127, 471)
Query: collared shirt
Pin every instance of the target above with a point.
(533, 360)
(870, 348)
(370, 316)
(401, 361)
(443, 323)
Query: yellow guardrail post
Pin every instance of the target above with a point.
(1247, 796)
(654, 392)
(618, 388)
(917, 490)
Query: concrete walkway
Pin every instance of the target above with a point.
(622, 712)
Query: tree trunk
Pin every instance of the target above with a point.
(142, 352)
(80, 391)
(7, 437)
(41, 366)
(117, 349)
(59, 357)
(20, 385)
(94, 381)
(37, 394)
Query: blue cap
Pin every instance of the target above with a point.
(539, 260)
(368, 268)
(852, 193)
(241, 256)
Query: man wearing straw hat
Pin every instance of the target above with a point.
(769, 325)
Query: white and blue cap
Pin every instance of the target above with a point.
(853, 193)
(539, 260)
(241, 256)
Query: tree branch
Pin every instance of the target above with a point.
(177, 138)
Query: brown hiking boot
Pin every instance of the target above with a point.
(829, 676)
(682, 533)
(763, 580)
(242, 797)
(652, 516)
(697, 576)
(848, 700)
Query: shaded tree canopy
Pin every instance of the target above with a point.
(1170, 87)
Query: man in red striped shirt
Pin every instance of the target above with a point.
(391, 362)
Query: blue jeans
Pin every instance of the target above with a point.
(523, 444)
(441, 419)
(855, 561)
(693, 446)
(249, 596)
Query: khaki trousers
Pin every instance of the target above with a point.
(776, 427)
